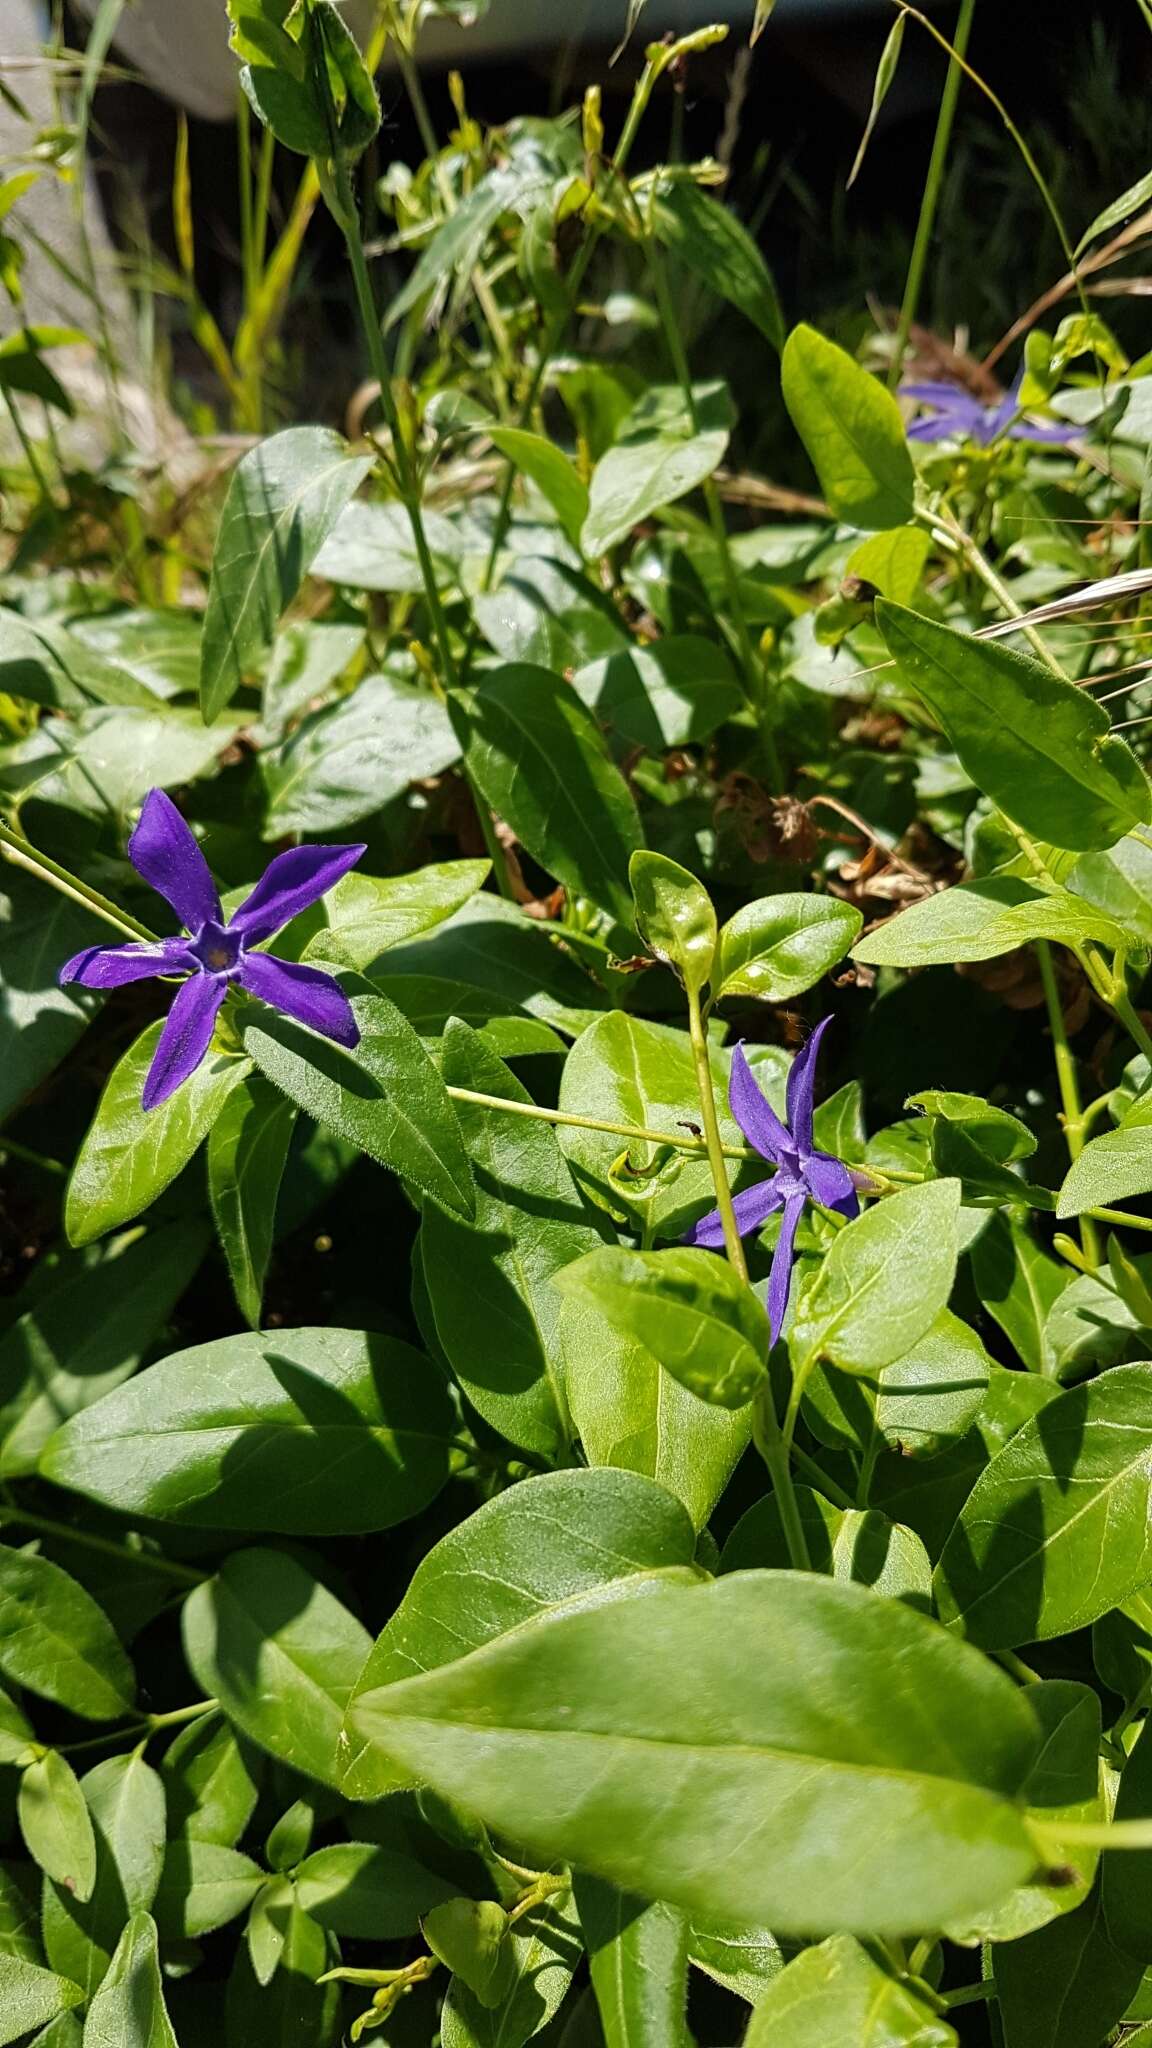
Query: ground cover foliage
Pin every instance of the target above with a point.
(576, 1364)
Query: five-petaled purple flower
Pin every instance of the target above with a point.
(215, 954)
(961, 416)
(802, 1173)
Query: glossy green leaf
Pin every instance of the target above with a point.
(125, 1798)
(57, 1642)
(979, 920)
(130, 1155)
(852, 430)
(1019, 1284)
(39, 928)
(544, 1952)
(743, 1959)
(658, 1742)
(280, 1653)
(661, 452)
(1119, 882)
(575, 1536)
(383, 1095)
(674, 916)
(933, 1392)
(366, 914)
(293, 2010)
(1058, 1528)
(348, 760)
(203, 1886)
(367, 1892)
(778, 946)
(861, 1545)
(928, 1494)
(688, 1308)
(1130, 201)
(82, 1338)
(55, 1825)
(638, 1958)
(470, 1937)
(546, 612)
(677, 690)
(537, 756)
(371, 547)
(316, 1432)
(211, 1790)
(550, 470)
(1110, 1168)
(1066, 1984)
(840, 1992)
(30, 1997)
(284, 499)
(707, 238)
(247, 1149)
(884, 1281)
(1126, 1878)
(1035, 744)
(129, 2011)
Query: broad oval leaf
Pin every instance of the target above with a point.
(203, 1886)
(638, 1960)
(31, 1997)
(368, 913)
(707, 238)
(884, 1281)
(536, 754)
(367, 1892)
(838, 1992)
(852, 429)
(688, 1308)
(1110, 1168)
(55, 1824)
(979, 920)
(281, 1654)
(57, 1642)
(247, 1150)
(318, 1432)
(129, 2011)
(665, 1743)
(674, 916)
(284, 499)
(1058, 1528)
(662, 451)
(679, 689)
(125, 1799)
(1038, 746)
(545, 1949)
(39, 928)
(779, 946)
(383, 1095)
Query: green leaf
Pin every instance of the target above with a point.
(707, 238)
(657, 1742)
(852, 429)
(997, 1132)
(1126, 1878)
(372, 547)
(1129, 202)
(1019, 1284)
(125, 1798)
(550, 470)
(884, 1281)
(58, 1643)
(894, 562)
(778, 946)
(537, 756)
(129, 2011)
(1066, 1984)
(1038, 746)
(1058, 1529)
(742, 1959)
(841, 1993)
(545, 1950)
(677, 690)
(859, 1545)
(674, 917)
(1120, 883)
(367, 1892)
(496, 1312)
(979, 920)
(369, 913)
(383, 1095)
(55, 1825)
(885, 73)
(210, 1785)
(281, 1654)
(247, 1149)
(551, 614)
(566, 1536)
(204, 1885)
(60, 668)
(30, 1997)
(687, 1308)
(470, 1937)
(39, 930)
(933, 1392)
(662, 451)
(284, 499)
(638, 1957)
(292, 2010)
(347, 761)
(130, 1155)
(317, 1432)
(1112, 1167)
(81, 1338)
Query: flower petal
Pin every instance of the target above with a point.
(750, 1210)
(802, 1088)
(185, 1038)
(164, 852)
(306, 993)
(113, 966)
(831, 1184)
(780, 1278)
(940, 427)
(754, 1113)
(929, 392)
(291, 883)
(1058, 436)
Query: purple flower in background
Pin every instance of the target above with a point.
(802, 1174)
(960, 416)
(215, 954)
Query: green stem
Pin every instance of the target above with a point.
(635, 1133)
(183, 1573)
(176, 1717)
(933, 186)
(969, 1994)
(1120, 1217)
(25, 855)
(772, 1448)
(712, 1140)
(29, 447)
(945, 527)
(1016, 1665)
(1131, 1022)
(825, 1484)
(31, 1158)
(1073, 1119)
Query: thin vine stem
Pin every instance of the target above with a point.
(1069, 1085)
(21, 851)
(933, 186)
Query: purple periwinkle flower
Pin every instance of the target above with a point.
(214, 954)
(802, 1174)
(959, 416)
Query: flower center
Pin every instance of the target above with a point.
(216, 948)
